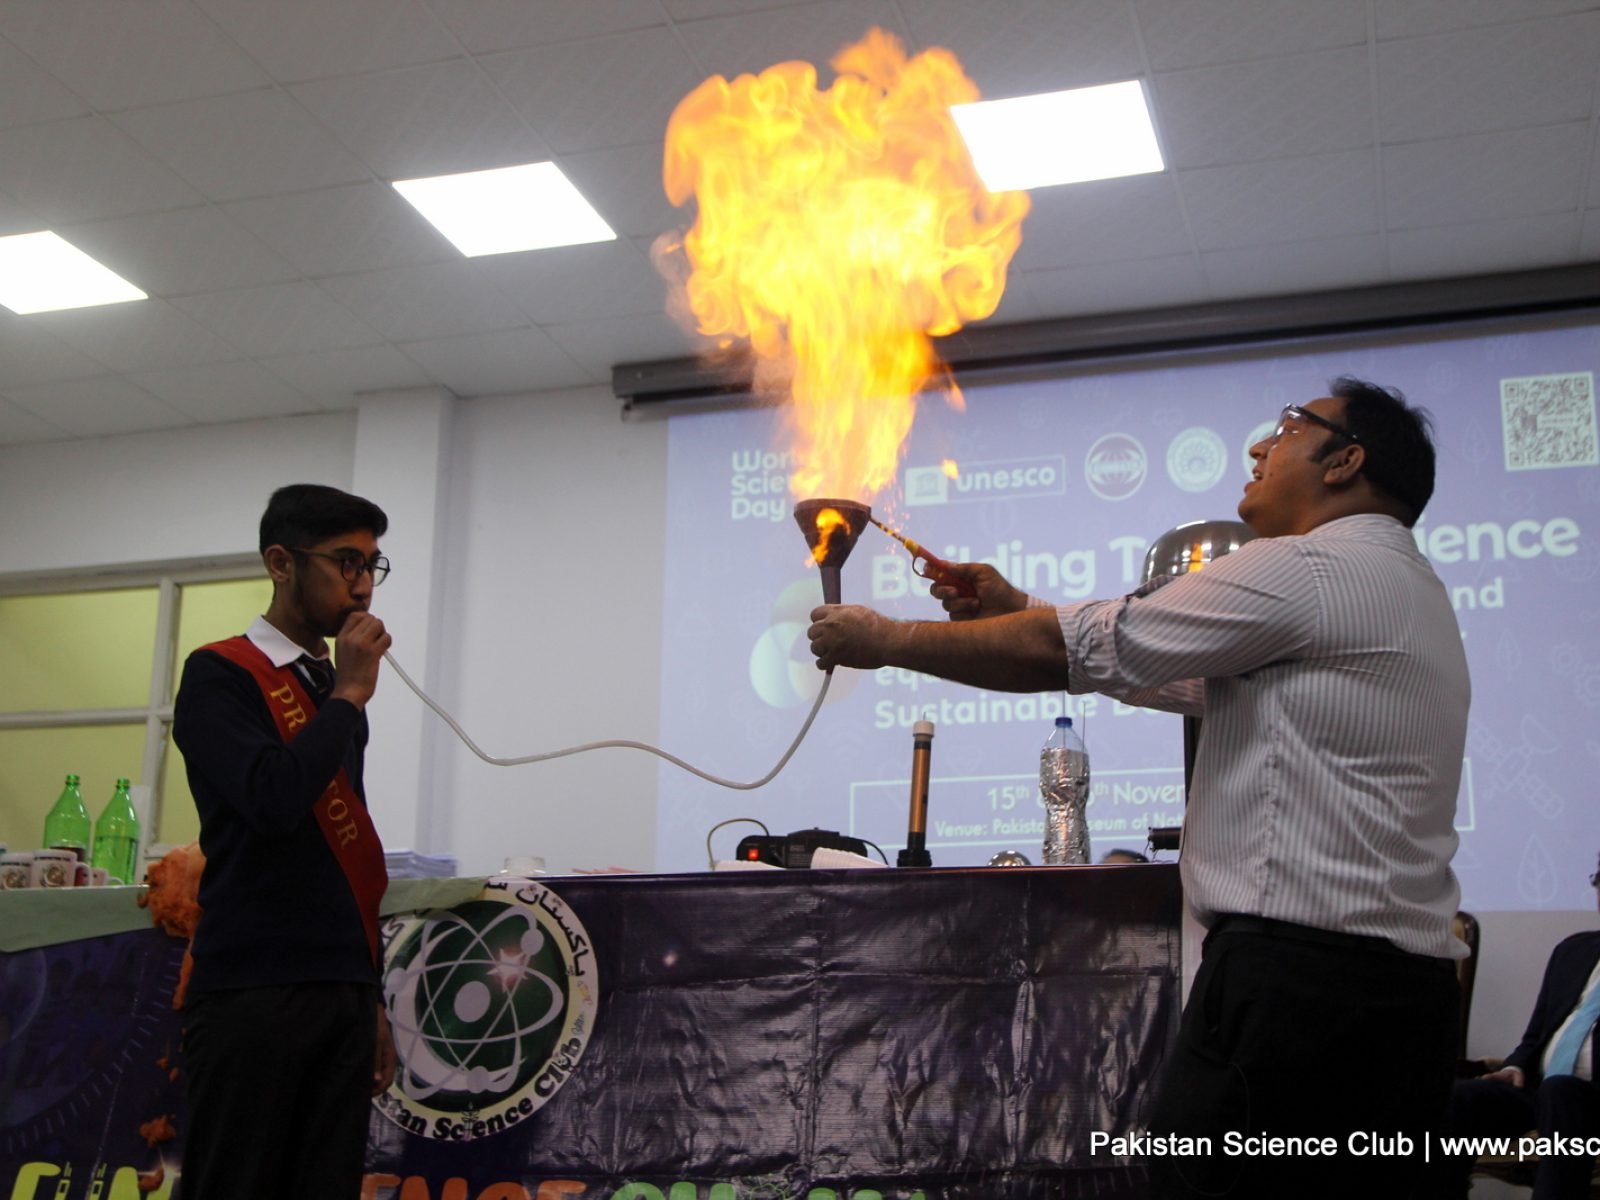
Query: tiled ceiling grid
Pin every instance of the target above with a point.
(233, 157)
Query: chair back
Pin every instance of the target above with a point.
(1465, 926)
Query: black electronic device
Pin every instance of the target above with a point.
(795, 849)
(1165, 837)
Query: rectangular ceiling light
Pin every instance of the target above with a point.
(531, 207)
(41, 272)
(1060, 137)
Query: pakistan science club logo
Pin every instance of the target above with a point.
(491, 1004)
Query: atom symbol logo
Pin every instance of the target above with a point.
(481, 997)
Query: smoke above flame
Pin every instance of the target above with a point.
(836, 232)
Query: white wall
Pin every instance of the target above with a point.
(553, 598)
(159, 497)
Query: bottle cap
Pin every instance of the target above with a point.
(1063, 722)
(122, 783)
(922, 729)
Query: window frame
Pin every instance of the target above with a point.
(169, 579)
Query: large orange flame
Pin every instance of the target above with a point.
(836, 232)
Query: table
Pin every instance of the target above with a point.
(949, 1034)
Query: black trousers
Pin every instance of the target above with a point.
(278, 1084)
(1298, 1033)
(1492, 1107)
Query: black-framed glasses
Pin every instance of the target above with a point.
(1293, 413)
(351, 565)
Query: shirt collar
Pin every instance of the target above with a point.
(274, 644)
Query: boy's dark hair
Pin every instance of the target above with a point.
(1397, 439)
(303, 514)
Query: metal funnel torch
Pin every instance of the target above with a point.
(831, 528)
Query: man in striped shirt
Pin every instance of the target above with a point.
(1327, 663)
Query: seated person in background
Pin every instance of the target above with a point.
(1120, 857)
(1547, 1082)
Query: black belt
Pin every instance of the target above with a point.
(1289, 931)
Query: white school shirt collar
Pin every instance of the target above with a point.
(274, 644)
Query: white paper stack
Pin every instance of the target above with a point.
(828, 859)
(408, 864)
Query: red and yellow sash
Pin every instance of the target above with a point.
(340, 813)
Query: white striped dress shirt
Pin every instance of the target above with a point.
(1330, 673)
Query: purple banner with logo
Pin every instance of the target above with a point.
(948, 1035)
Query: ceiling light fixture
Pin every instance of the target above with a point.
(1060, 137)
(501, 211)
(42, 272)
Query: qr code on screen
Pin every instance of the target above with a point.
(1549, 421)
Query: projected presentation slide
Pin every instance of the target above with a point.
(1062, 483)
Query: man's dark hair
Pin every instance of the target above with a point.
(303, 514)
(1397, 438)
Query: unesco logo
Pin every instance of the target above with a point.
(491, 1004)
(1115, 467)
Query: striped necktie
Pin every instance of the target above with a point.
(1564, 1055)
(320, 672)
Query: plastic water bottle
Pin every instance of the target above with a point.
(116, 836)
(1064, 786)
(66, 827)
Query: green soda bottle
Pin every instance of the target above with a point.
(67, 825)
(116, 836)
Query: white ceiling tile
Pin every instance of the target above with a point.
(1408, 18)
(1014, 47)
(234, 391)
(600, 344)
(16, 217)
(1017, 302)
(434, 300)
(141, 335)
(333, 231)
(617, 90)
(311, 39)
(1532, 73)
(1325, 195)
(624, 184)
(85, 168)
(180, 250)
(418, 121)
(18, 425)
(1294, 104)
(693, 10)
(576, 283)
(496, 364)
(30, 353)
(29, 93)
(247, 144)
(1514, 244)
(813, 33)
(1102, 219)
(333, 378)
(1118, 286)
(1341, 262)
(488, 25)
(120, 55)
(1195, 33)
(281, 318)
(1484, 177)
(97, 407)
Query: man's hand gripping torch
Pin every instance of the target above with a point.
(930, 566)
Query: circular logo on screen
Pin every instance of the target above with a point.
(782, 671)
(1115, 467)
(491, 1004)
(1196, 459)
